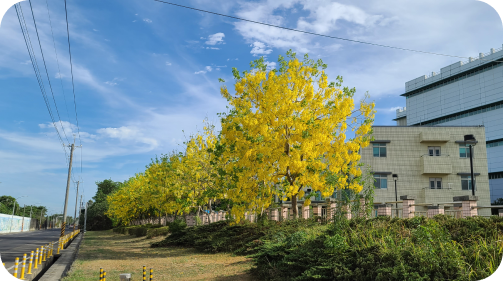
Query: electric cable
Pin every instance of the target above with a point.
(46, 71)
(316, 34)
(34, 62)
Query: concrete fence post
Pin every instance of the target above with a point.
(305, 212)
(317, 210)
(284, 212)
(274, 214)
(346, 209)
(435, 210)
(408, 207)
(363, 205)
(467, 204)
(500, 212)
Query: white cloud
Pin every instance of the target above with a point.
(393, 109)
(111, 83)
(259, 48)
(214, 39)
(207, 69)
(147, 20)
(168, 63)
(270, 65)
(134, 21)
(59, 75)
(212, 48)
(127, 133)
(26, 62)
(95, 29)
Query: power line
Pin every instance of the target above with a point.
(57, 60)
(46, 71)
(316, 34)
(71, 70)
(73, 85)
(31, 53)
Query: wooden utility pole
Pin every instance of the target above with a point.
(76, 200)
(63, 225)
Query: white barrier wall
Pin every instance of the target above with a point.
(9, 223)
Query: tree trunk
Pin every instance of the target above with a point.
(197, 215)
(295, 209)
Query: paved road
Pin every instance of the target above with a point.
(14, 245)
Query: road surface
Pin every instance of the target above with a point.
(14, 245)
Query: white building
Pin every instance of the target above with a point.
(463, 94)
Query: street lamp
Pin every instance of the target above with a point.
(395, 178)
(470, 139)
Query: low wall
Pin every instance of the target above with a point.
(9, 223)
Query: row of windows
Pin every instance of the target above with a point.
(381, 182)
(452, 80)
(494, 144)
(379, 150)
(496, 175)
(463, 114)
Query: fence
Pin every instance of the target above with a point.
(460, 207)
(9, 223)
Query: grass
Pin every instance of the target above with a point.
(117, 253)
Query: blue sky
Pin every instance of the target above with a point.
(144, 71)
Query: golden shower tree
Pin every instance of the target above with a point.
(286, 131)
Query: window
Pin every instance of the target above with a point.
(381, 181)
(318, 196)
(379, 149)
(435, 183)
(466, 183)
(434, 150)
(464, 150)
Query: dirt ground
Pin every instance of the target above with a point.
(117, 253)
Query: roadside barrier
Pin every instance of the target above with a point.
(127, 276)
(36, 260)
(23, 267)
(16, 265)
(43, 257)
(31, 262)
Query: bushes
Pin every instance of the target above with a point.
(154, 232)
(177, 226)
(136, 230)
(442, 248)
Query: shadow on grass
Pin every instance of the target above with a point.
(102, 245)
(239, 277)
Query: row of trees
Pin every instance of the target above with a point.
(285, 130)
(8, 204)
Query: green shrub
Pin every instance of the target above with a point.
(177, 226)
(141, 231)
(441, 248)
(160, 231)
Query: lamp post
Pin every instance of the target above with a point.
(395, 178)
(470, 139)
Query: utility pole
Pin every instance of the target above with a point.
(76, 200)
(63, 225)
(22, 223)
(80, 208)
(85, 218)
(40, 223)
